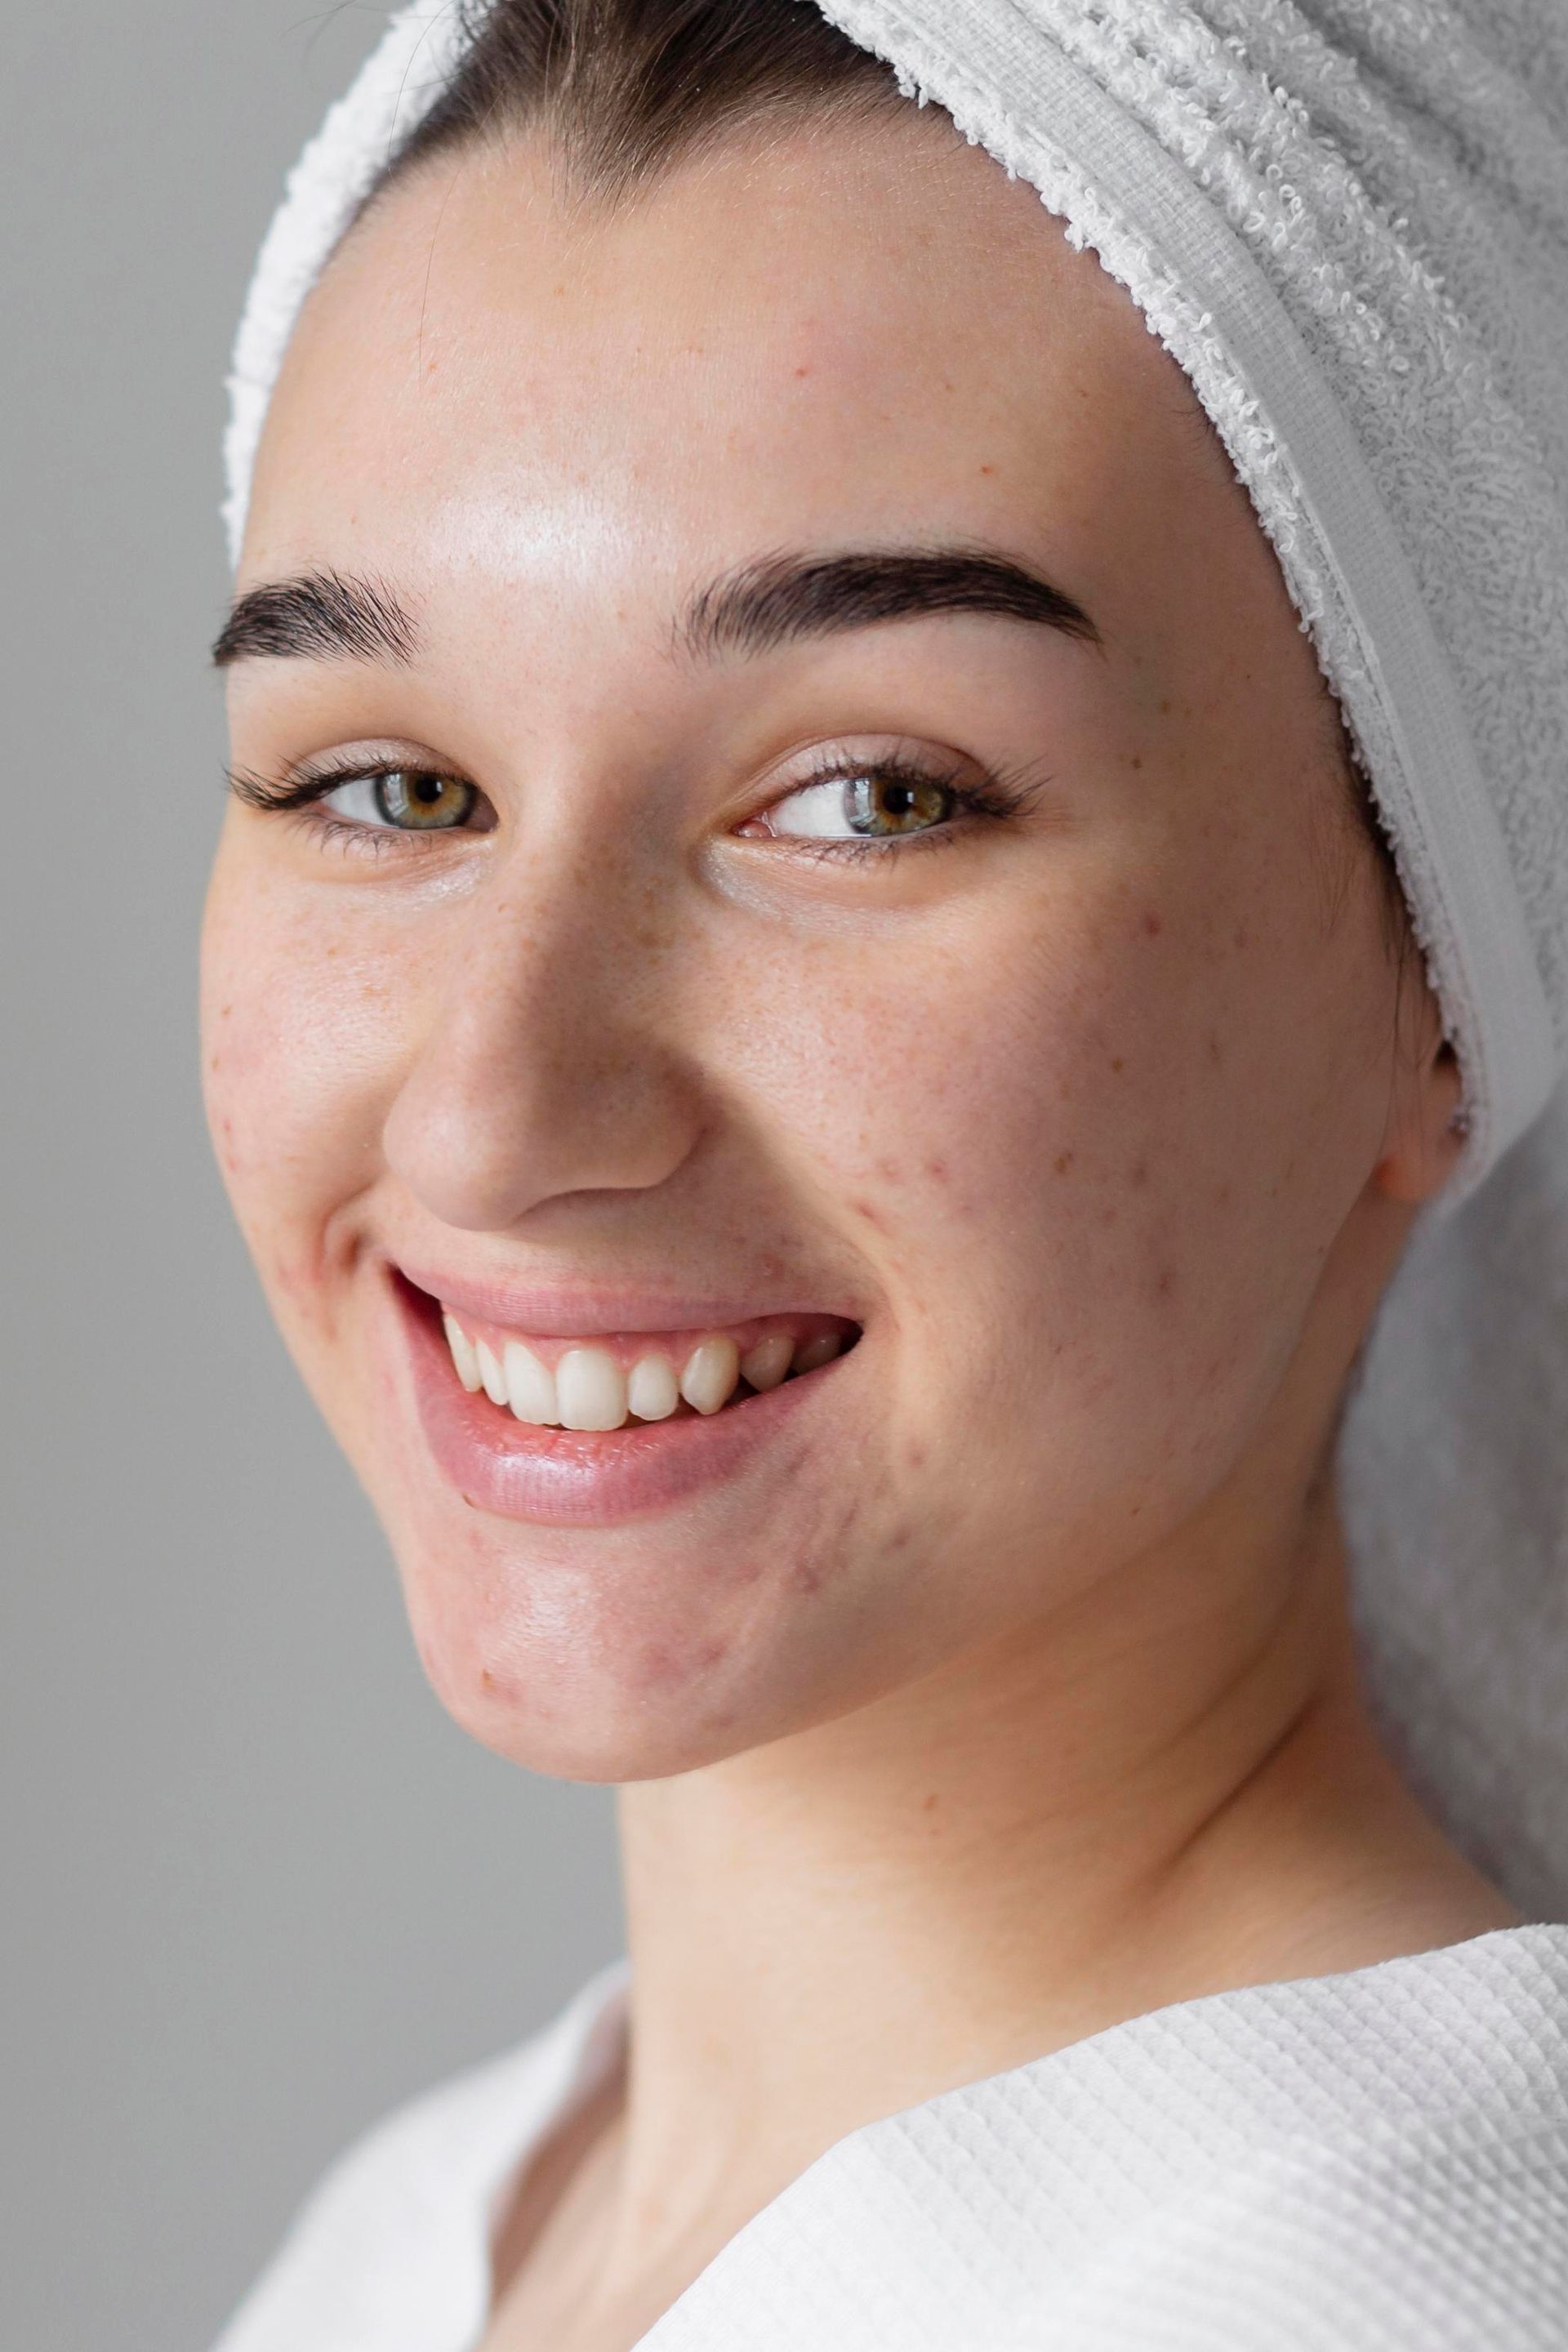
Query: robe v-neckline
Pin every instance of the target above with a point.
(1009, 2192)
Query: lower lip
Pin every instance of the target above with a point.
(567, 1477)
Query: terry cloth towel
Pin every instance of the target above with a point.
(1348, 222)
(1370, 2162)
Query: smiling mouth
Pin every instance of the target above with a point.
(618, 1378)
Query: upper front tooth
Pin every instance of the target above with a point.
(590, 1388)
(711, 1370)
(491, 1374)
(531, 1387)
(765, 1364)
(651, 1392)
(820, 1350)
(463, 1353)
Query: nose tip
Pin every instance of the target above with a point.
(512, 1101)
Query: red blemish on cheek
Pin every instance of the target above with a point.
(937, 1171)
(1153, 925)
(873, 1217)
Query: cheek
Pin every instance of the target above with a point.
(302, 1041)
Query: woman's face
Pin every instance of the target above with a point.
(743, 944)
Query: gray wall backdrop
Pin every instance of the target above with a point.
(255, 1886)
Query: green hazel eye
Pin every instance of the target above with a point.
(886, 804)
(419, 802)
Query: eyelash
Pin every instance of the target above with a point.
(997, 794)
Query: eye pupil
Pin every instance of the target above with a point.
(891, 804)
(418, 800)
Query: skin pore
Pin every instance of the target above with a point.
(1009, 1691)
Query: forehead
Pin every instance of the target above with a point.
(822, 335)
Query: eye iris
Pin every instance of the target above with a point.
(884, 804)
(413, 798)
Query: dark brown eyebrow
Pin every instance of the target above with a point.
(784, 596)
(333, 616)
(319, 616)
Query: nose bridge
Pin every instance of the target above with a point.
(545, 1067)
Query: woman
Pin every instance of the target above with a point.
(828, 1022)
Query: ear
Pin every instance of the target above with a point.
(1424, 1138)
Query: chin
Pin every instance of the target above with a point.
(566, 1675)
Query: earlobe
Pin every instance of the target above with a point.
(1430, 1132)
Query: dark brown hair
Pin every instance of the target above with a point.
(622, 89)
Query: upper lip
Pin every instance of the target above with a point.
(551, 1311)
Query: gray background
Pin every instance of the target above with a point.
(255, 1886)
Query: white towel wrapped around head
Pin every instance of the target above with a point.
(1348, 222)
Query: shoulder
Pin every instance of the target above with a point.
(1372, 2163)
(1438, 2238)
(396, 2225)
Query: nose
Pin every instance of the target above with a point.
(546, 1066)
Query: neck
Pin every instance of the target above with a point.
(1138, 1803)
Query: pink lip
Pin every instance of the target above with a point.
(564, 1477)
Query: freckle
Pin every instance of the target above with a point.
(1141, 1174)
(803, 371)
(1138, 759)
(899, 1542)
(916, 1457)
(487, 1680)
(225, 1014)
(1153, 925)
(1166, 1284)
(929, 1804)
(1222, 1196)
(1164, 708)
(1118, 1065)
(1216, 1052)
(1062, 1162)
(1242, 935)
(988, 470)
